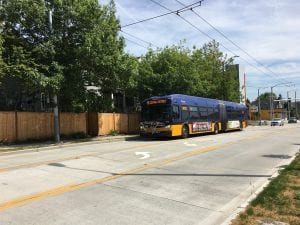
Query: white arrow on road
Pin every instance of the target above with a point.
(189, 145)
(144, 154)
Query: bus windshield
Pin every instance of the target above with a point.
(159, 113)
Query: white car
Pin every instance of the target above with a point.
(277, 122)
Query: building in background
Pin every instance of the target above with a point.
(241, 77)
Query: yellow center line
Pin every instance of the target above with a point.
(72, 187)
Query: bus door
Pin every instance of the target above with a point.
(176, 114)
(223, 116)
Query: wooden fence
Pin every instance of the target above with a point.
(106, 123)
(265, 114)
(24, 126)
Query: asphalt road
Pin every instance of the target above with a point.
(200, 180)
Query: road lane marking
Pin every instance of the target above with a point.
(145, 155)
(72, 187)
(189, 144)
(30, 165)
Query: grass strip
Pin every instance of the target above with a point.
(279, 201)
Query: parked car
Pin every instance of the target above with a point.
(262, 122)
(277, 122)
(292, 120)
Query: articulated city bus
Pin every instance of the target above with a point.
(183, 115)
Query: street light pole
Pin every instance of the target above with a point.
(271, 104)
(296, 113)
(258, 96)
(288, 104)
(271, 98)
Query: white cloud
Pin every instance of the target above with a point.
(267, 30)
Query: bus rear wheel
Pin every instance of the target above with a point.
(241, 125)
(185, 131)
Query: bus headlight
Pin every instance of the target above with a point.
(142, 127)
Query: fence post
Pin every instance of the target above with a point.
(128, 123)
(87, 123)
(16, 125)
(114, 119)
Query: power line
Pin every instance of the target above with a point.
(140, 39)
(186, 8)
(228, 39)
(207, 35)
(250, 86)
(138, 44)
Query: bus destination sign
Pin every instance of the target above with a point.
(155, 102)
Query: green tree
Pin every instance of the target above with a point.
(83, 49)
(216, 74)
(231, 82)
(177, 69)
(1, 60)
(166, 71)
(90, 50)
(213, 69)
(30, 68)
(204, 85)
(265, 97)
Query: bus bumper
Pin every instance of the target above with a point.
(156, 133)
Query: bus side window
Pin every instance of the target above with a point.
(210, 114)
(184, 113)
(216, 114)
(175, 112)
(230, 114)
(194, 114)
(203, 113)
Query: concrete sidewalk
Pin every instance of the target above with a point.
(6, 149)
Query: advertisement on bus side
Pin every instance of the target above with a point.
(233, 124)
(201, 126)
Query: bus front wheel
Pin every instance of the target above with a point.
(185, 131)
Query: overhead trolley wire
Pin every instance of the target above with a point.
(134, 42)
(207, 35)
(228, 39)
(186, 8)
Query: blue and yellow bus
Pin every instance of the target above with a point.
(183, 115)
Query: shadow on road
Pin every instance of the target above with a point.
(163, 174)
(278, 156)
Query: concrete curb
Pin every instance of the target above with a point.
(50, 146)
(243, 206)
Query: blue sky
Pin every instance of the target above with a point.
(267, 30)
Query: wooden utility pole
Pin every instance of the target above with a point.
(55, 101)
